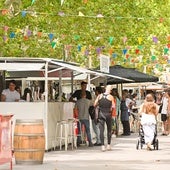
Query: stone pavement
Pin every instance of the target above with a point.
(123, 156)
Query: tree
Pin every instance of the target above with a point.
(132, 33)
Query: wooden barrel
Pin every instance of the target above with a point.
(29, 141)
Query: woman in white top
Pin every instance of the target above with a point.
(148, 122)
(164, 114)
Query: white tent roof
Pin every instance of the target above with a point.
(21, 66)
(37, 64)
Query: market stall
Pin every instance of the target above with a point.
(45, 105)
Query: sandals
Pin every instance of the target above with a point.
(149, 147)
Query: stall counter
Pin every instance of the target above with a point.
(36, 110)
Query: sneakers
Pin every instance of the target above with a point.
(97, 144)
(109, 147)
(103, 148)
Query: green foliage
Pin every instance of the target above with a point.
(123, 18)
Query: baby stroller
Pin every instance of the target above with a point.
(141, 141)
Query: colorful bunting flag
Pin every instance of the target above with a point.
(98, 50)
(12, 35)
(166, 50)
(4, 11)
(33, 1)
(61, 14)
(76, 37)
(155, 39)
(124, 51)
(99, 16)
(140, 40)
(85, 1)
(124, 39)
(23, 13)
(5, 38)
(51, 36)
(53, 44)
(62, 2)
(6, 28)
(114, 55)
(79, 48)
(110, 40)
(137, 51)
(153, 58)
(81, 14)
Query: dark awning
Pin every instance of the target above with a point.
(129, 73)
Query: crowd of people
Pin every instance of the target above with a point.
(108, 106)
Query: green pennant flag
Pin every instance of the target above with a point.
(166, 50)
(53, 44)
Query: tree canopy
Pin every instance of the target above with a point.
(132, 33)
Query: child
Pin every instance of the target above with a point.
(148, 122)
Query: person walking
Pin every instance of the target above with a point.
(164, 112)
(83, 105)
(95, 123)
(116, 112)
(83, 99)
(125, 106)
(105, 102)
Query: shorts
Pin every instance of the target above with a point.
(163, 117)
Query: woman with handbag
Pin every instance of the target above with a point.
(105, 102)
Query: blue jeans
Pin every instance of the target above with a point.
(86, 124)
(96, 131)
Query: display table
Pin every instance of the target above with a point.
(36, 110)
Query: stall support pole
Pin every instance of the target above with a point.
(72, 82)
(46, 104)
(88, 87)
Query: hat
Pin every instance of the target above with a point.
(83, 82)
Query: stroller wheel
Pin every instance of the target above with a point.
(141, 143)
(137, 144)
(157, 144)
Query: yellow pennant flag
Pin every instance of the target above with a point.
(140, 40)
(62, 2)
(81, 14)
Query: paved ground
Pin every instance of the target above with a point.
(123, 156)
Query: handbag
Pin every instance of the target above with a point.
(160, 108)
(92, 112)
(101, 115)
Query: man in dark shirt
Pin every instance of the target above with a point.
(77, 94)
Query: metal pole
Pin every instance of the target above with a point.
(46, 104)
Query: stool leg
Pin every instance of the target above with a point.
(61, 136)
(66, 136)
(72, 135)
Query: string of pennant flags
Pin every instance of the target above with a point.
(24, 13)
(27, 33)
(114, 51)
(130, 53)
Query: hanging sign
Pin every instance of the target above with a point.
(104, 63)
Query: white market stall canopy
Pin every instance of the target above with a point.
(37, 67)
(21, 66)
